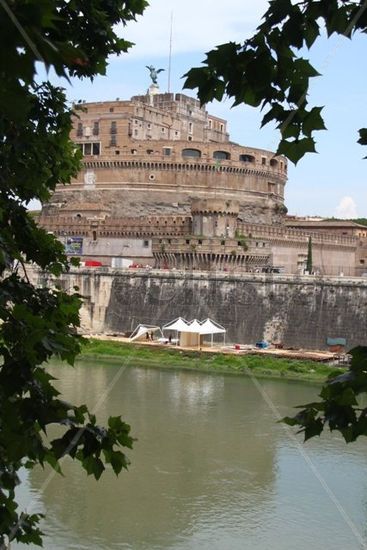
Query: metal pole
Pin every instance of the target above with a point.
(170, 55)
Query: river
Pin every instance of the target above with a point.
(211, 469)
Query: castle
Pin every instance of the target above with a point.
(163, 186)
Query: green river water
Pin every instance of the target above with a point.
(211, 469)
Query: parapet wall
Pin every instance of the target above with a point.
(300, 312)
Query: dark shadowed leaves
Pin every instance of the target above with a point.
(340, 407)
(37, 323)
(267, 69)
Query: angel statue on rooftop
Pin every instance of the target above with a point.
(154, 73)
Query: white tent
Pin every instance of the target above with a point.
(212, 327)
(192, 332)
(191, 336)
(141, 332)
(179, 325)
(194, 326)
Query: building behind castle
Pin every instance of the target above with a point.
(162, 185)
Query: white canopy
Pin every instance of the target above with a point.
(211, 327)
(178, 324)
(141, 330)
(194, 326)
(198, 327)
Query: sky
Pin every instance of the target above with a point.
(330, 183)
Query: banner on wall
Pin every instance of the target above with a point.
(74, 246)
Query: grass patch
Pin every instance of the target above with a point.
(151, 356)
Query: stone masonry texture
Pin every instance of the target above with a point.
(300, 312)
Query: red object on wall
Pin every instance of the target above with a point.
(92, 263)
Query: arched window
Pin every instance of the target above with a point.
(274, 163)
(191, 153)
(247, 158)
(221, 155)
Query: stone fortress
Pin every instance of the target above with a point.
(162, 185)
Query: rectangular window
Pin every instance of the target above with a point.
(113, 127)
(87, 148)
(79, 131)
(221, 127)
(263, 161)
(113, 141)
(167, 151)
(145, 244)
(95, 148)
(95, 128)
(190, 127)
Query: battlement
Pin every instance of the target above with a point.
(117, 227)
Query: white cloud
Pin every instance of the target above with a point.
(347, 208)
(197, 25)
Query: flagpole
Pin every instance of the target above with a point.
(170, 55)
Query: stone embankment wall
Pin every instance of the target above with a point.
(297, 311)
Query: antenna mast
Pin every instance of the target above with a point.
(170, 55)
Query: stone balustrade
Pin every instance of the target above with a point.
(273, 232)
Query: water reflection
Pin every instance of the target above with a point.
(210, 469)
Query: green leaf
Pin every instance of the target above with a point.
(311, 32)
(359, 359)
(313, 428)
(347, 397)
(93, 466)
(291, 130)
(313, 121)
(275, 113)
(293, 28)
(118, 461)
(305, 69)
(362, 136)
(295, 150)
